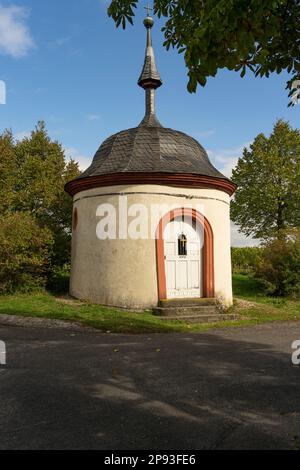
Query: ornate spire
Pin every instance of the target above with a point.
(149, 78)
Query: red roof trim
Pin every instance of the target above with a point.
(182, 180)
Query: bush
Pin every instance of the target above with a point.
(24, 253)
(279, 268)
(59, 279)
(245, 260)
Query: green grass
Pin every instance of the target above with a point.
(250, 306)
(45, 305)
(261, 308)
(246, 286)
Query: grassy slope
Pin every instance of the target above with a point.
(260, 309)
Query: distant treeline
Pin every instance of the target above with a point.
(246, 260)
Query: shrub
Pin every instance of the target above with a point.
(24, 253)
(59, 279)
(279, 268)
(245, 260)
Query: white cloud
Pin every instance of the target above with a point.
(93, 117)
(37, 90)
(226, 159)
(72, 152)
(22, 135)
(203, 134)
(239, 240)
(54, 119)
(59, 42)
(15, 36)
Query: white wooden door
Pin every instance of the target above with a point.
(183, 267)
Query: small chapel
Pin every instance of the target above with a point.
(183, 254)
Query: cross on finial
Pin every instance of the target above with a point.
(149, 9)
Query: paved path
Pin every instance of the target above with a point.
(227, 389)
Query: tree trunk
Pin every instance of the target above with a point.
(280, 223)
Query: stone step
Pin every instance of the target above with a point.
(187, 302)
(186, 311)
(218, 317)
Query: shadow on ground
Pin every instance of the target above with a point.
(223, 390)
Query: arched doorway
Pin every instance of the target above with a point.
(185, 258)
(183, 247)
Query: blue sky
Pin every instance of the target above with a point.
(65, 62)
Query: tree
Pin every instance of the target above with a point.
(279, 267)
(268, 178)
(245, 259)
(42, 175)
(8, 171)
(24, 252)
(261, 36)
(33, 173)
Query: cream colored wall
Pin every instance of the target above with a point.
(123, 272)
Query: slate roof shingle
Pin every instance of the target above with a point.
(153, 149)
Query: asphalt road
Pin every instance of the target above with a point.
(227, 389)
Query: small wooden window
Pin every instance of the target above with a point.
(182, 245)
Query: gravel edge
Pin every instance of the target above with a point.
(33, 322)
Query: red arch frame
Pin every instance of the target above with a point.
(208, 251)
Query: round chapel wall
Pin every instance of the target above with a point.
(123, 269)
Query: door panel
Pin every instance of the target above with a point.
(170, 248)
(171, 274)
(194, 277)
(183, 273)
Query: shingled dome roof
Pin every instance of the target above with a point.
(151, 149)
(137, 155)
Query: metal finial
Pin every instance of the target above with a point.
(149, 78)
(149, 9)
(148, 21)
